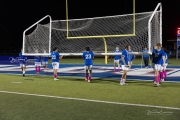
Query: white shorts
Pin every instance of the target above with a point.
(55, 65)
(37, 63)
(125, 67)
(88, 67)
(116, 61)
(164, 67)
(156, 66)
(22, 65)
(44, 63)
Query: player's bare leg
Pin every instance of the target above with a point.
(86, 75)
(123, 79)
(90, 75)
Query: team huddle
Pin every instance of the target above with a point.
(159, 63)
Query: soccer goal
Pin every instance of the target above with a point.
(101, 34)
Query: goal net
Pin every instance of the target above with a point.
(96, 33)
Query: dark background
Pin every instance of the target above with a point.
(16, 16)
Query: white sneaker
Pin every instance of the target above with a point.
(158, 84)
(89, 81)
(162, 80)
(121, 82)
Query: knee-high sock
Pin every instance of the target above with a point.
(38, 68)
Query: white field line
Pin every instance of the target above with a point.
(89, 100)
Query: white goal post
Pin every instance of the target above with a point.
(53, 34)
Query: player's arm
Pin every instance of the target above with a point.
(60, 57)
(83, 56)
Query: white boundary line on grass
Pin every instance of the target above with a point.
(89, 100)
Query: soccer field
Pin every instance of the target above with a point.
(39, 97)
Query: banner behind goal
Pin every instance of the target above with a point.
(148, 32)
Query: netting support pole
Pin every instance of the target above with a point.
(149, 26)
(105, 50)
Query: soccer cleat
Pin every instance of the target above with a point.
(158, 84)
(86, 79)
(56, 79)
(89, 81)
(162, 80)
(23, 75)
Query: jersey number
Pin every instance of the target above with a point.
(53, 56)
(88, 56)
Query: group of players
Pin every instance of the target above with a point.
(159, 63)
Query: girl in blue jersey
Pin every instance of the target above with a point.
(37, 60)
(158, 59)
(124, 64)
(117, 59)
(22, 61)
(88, 57)
(45, 61)
(55, 57)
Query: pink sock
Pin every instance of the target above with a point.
(161, 75)
(55, 76)
(114, 68)
(118, 69)
(38, 68)
(89, 78)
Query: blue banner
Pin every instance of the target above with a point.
(15, 60)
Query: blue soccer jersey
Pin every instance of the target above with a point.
(44, 59)
(88, 57)
(125, 56)
(145, 55)
(22, 59)
(157, 56)
(55, 56)
(37, 58)
(117, 57)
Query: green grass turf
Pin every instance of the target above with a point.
(172, 61)
(22, 107)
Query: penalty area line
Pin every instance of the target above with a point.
(89, 100)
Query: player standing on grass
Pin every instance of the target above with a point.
(88, 57)
(22, 62)
(158, 60)
(45, 62)
(117, 59)
(124, 64)
(55, 57)
(37, 60)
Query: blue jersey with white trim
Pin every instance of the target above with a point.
(22, 59)
(157, 56)
(55, 56)
(88, 57)
(117, 57)
(125, 56)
